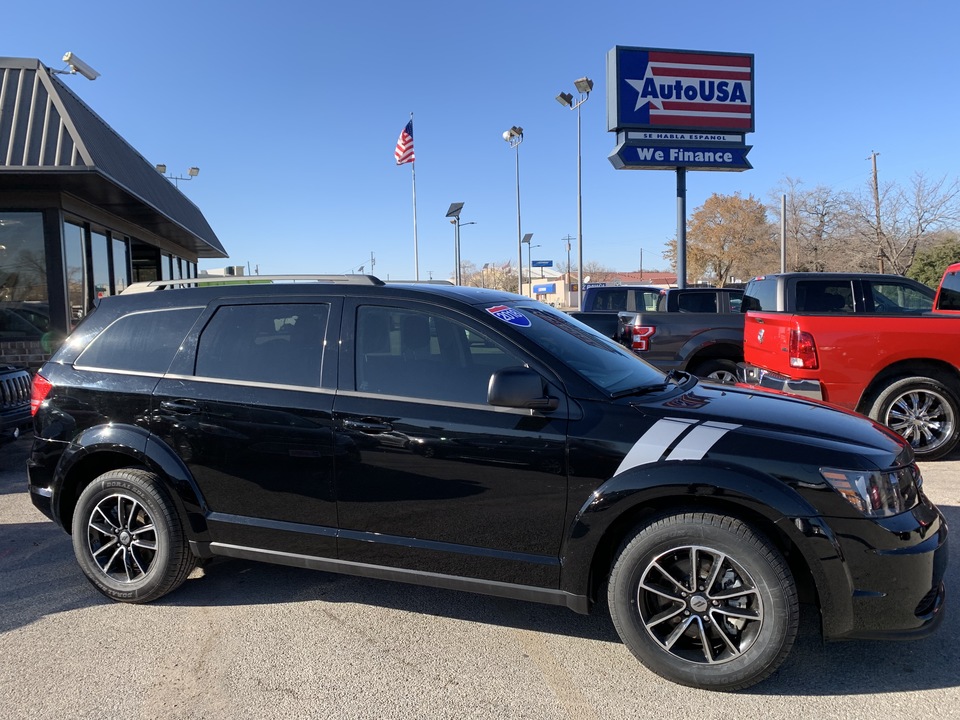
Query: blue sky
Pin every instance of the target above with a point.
(291, 110)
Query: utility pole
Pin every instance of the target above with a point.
(876, 206)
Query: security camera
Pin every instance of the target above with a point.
(79, 66)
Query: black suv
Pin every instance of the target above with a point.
(477, 440)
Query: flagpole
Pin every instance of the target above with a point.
(416, 257)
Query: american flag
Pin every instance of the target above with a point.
(404, 151)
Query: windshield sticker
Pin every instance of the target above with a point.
(510, 315)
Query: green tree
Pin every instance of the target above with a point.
(928, 265)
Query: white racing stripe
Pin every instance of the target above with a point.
(652, 445)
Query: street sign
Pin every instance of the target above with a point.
(541, 263)
(633, 155)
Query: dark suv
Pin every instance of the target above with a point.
(476, 440)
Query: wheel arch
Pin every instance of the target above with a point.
(100, 449)
(920, 367)
(714, 350)
(632, 499)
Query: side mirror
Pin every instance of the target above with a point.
(519, 387)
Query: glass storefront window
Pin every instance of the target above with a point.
(121, 264)
(24, 307)
(75, 266)
(165, 269)
(101, 265)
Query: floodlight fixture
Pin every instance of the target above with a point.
(193, 172)
(583, 85)
(565, 99)
(161, 168)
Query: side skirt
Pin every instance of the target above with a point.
(577, 603)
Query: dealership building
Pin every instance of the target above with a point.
(82, 214)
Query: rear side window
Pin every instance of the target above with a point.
(760, 295)
(141, 342)
(273, 343)
(613, 299)
(824, 296)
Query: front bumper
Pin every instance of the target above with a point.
(896, 572)
(769, 380)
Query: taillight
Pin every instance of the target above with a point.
(640, 337)
(803, 350)
(41, 388)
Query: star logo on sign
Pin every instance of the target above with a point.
(638, 86)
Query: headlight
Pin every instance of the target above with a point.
(877, 493)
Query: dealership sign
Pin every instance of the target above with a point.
(653, 89)
(679, 109)
(636, 155)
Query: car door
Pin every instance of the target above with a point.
(247, 406)
(441, 481)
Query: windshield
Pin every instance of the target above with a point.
(600, 360)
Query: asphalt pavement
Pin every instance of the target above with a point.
(246, 640)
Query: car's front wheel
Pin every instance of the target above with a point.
(128, 537)
(704, 600)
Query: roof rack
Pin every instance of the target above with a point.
(210, 280)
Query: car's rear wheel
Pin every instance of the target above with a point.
(704, 600)
(719, 370)
(128, 538)
(924, 411)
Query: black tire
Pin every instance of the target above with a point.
(718, 370)
(924, 411)
(730, 631)
(128, 537)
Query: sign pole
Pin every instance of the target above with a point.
(681, 227)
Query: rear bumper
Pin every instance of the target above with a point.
(769, 380)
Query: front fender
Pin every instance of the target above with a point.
(106, 447)
(614, 510)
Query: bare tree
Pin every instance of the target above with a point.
(816, 227)
(900, 220)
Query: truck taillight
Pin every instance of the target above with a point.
(640, 337)
(803, 351)
(39, 391)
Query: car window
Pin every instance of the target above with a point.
(410, 353)
(896, 297)
(697, 302)
(950, 291)
(825, 296)
(273, 343)
(140, 342)
(760, 295)
(610, 299)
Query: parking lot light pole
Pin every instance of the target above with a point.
(514, 136)
(526, 239)
(584, 85)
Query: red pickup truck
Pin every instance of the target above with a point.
(882, 345)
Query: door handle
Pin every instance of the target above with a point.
(369, 426)
(181, 407)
